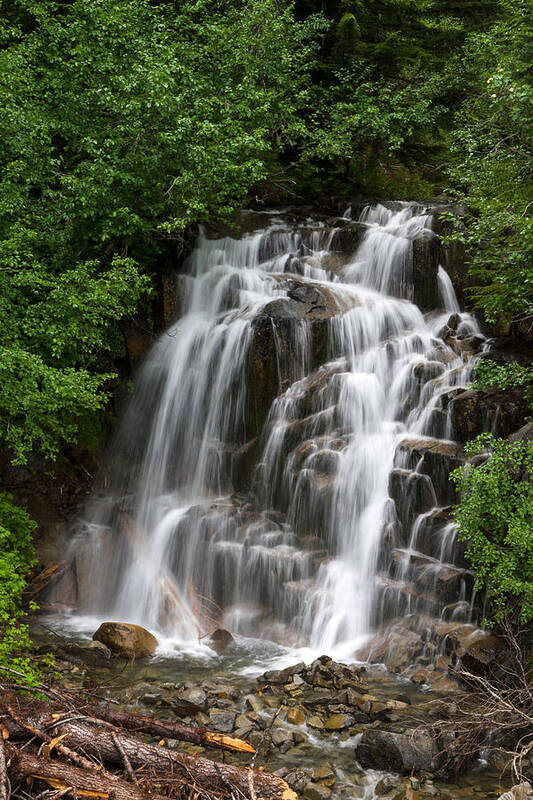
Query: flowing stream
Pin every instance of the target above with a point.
(282, 467)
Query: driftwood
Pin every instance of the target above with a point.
(173, 730)
(76, 733)
(60, 775)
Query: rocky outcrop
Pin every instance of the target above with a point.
(426, 260)
(126, 640)
(478, 410)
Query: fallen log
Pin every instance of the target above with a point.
(60, 775)
(97, 741)
(164, 728)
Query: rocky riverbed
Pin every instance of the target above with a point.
(332, 730)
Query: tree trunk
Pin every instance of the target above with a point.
(97, 741)
(61, 775)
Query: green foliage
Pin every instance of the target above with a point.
(495, 519)
(492, 168)
(16, 558)
(490, 375)
(122, 122)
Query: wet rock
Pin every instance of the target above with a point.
(338, 722)
(478, 651)
(281, 736)
(413, 494)
(196, 698)
(223, 721)
(384, 786)
(297, 779)
(396, 646)
(316, 791)
(219, 640)
(254, 703)
(295, 716)
(315, 722)
(426, 260)
(323, 773)
(398, 752)
(94, 653)
(477, 410)
(126, 640)
(283, 675)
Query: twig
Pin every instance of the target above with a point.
(124, 758)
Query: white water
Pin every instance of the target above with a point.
(313, 554)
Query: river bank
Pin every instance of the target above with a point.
(331, 730)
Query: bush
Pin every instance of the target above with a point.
(17, 556)
(495, 519)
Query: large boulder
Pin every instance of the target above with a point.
(403, 752)
(126, 640)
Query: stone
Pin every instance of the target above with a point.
(223, 721)
(322, 773)
(297, 779)
(384, 786)
(315, 722)
(254, 703)
(295, 716)
(392, 751)
(282, 676)
(194, 697)
(219, 640)
(126, 640)
(316, 791)
(337, 722)
(280, 736)
(94, 654)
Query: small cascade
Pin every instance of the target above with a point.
(287, 449)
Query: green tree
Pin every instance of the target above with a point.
(17, 556)
(492, 167)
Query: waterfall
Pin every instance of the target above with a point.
(283, 462)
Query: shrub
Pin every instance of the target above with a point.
(495, 519)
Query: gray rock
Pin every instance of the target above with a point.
(280, 736)
(398, 752)
(195, 697)
(281, 676)
(223, 721)
(297, 779)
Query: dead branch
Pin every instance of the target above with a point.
(99, 742)
(165, 728)
(493, 713)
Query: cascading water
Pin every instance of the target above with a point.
(287, 447)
